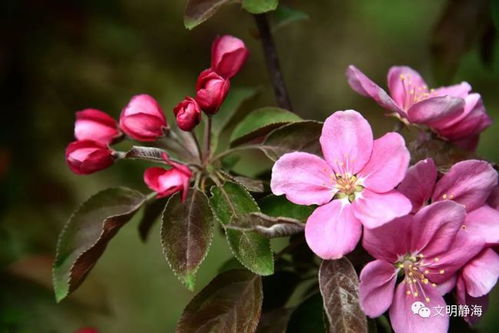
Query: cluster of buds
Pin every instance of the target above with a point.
(228, 55)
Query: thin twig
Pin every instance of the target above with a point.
(272, 60)
(207, 139)
(233, 150)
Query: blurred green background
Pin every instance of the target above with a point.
(60, 56)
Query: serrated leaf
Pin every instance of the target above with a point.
(260, 6)
(308, 316)
(267, 226)
(87, 233)
(230, 303)
(300, 136)
(273, 205)
(152, 213)
(285, 15)
(186, 234)
(250, 184)
(198, 11)
(260, 122)
(230, 202)
(339, 287)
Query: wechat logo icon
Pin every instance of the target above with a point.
(420, 309)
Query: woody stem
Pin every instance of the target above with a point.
(207, 139)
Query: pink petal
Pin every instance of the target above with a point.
(332, 230)
(388, 163)
(419, 182)
(375, 209)
(95, 125)
(465, 299)
(389, 241)
(483, 223)
(480, 274)
(458, 90)
(435, 227)
(346, 141)
(366, 87)
(142, 127)
(468, 182)
(304, 178)
(436, 111)
(447, 286)
(405, 321)
(377, 284)
(145, 104)
(403, 80)
(472, 101)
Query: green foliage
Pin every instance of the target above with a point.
(273, 205)
(230, 303)
(198, 11)
(260, 122)
(267, 226)
(186, 234)
(87, 233)
(260, 6)
(230, 203)
(284, 15)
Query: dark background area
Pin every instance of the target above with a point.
(58, 57)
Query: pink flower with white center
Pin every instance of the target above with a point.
(452, 112)
(167, 182)
(95, 125)
(424, 250)
(353, 185)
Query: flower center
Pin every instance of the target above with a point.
(416, 272)
(348, 186)
(414, 93)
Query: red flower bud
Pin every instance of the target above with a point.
(211, 91)
(228, 55)
(142, 119)
(95, 125)
(85, 157)
(188, 114)
(87, 330)
(166, 182)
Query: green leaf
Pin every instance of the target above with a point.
(152, 212)
(87, 233)
(267, 226)
(186, 234)
(236, 98)
(260, 6)
(280, 206)
(299, 136)
(339, 287)
(308, 317)
(260, 122)
(231, 302)
(198, 11)
(284, 15)
(229, 203)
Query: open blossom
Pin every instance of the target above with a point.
(211, 90)
(353, 185)
(228, 55)
(86, 157)
(142, 119)
(426, 250)
(167, 182)
(452, 112)
(95, 125)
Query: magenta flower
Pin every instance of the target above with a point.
(187, 114)
(86, 157)
(211, 90)
(143, 119)
(452, 112)
(353, 185)
(95, 125)
(228, 55)
(425, 250)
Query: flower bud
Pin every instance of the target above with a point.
(86, 157)
(211, 91)
(142, 119)
(95, 125)
(188, 114)
(167, 182)
(228, 55)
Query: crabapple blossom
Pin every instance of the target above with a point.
(188, 114)
(228, 55)
(353, 185)
(95, 125)
(167, 182)
(85, 157)
(452, 112)
(142, 119)
(211, 90)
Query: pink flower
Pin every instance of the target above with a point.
(95, 125)
(452, 112)
(353, 186)
(426, 250)
(85, 157)
(166, 182)
(142, 119)
(228, 55)
(211, 91)
(188, 114)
